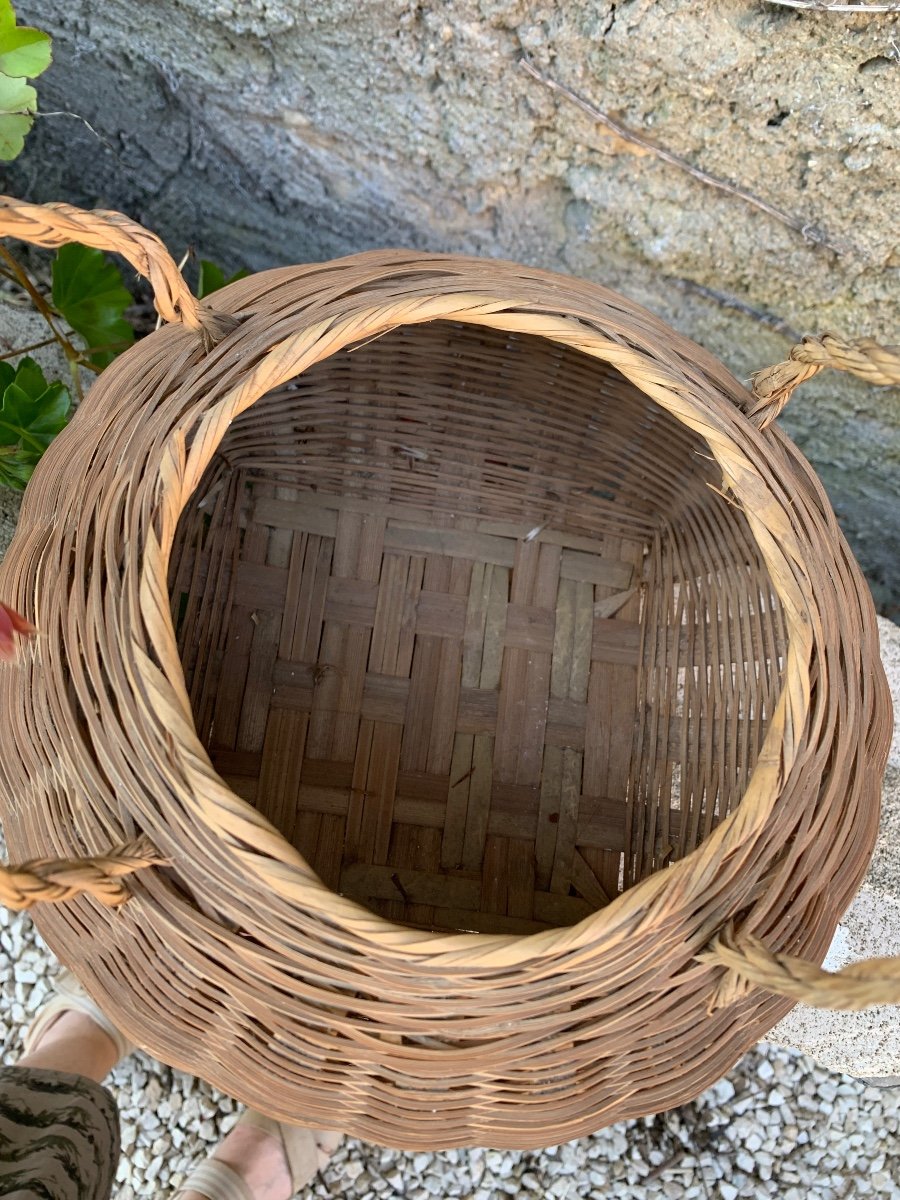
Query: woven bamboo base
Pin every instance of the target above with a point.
(447, 627)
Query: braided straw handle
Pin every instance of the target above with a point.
(55, 225)
(60, 879)
(863, 357)
(750, 964)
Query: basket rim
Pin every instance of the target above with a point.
(257, 846)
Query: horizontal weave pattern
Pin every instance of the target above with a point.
(341, 614)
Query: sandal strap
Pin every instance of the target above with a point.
(71, 995)
(307, 1150)
(215, 1181)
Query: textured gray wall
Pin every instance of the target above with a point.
(269, 131)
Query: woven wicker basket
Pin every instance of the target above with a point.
(494, 709)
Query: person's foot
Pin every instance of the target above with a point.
(258, 1159)
(76, 1045)
(263, 1161)
(71, 1034)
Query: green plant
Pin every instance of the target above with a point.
(24, 54)
(32, 413)
(86, 305)
(85, 316)
(212, 278)
(84, 311)
(89, 293)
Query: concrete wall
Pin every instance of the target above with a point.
(267, 131)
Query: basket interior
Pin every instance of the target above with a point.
(461, 615)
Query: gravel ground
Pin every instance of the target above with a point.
(777, 1126)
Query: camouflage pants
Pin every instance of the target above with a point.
(59, 1136)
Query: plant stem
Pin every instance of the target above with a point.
(76, 379)
(25, 349)
(39, 301)
(73, 355)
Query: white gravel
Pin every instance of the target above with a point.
(777, 1126)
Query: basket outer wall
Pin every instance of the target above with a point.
(328, 1017)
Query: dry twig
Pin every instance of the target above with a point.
(823, 6)
(809, 231)
(774, 322)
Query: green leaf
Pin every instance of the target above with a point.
(29, 378)
(212, 278)
(12, 135)
(13, 472)
(88, 291)
(16, 99)
(16, 96)
(24, 52)
(32, 413)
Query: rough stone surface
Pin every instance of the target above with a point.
(270, 131)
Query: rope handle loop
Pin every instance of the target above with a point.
(54, 225)
(864, 357)
(750, 963)
(747, 960)
(55, 880)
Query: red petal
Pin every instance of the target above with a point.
(11, 623)
(19, 624)
(7, 642)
